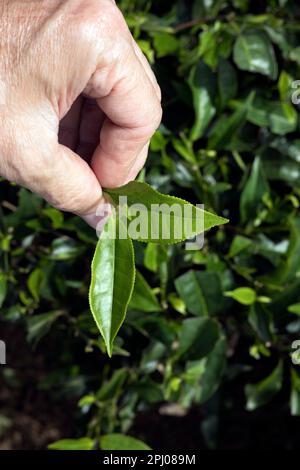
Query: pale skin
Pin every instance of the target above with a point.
(79, 102)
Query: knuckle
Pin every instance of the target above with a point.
(100, 19)
(111, 19)
(155, 117)
(158, 115)
(150, 123)
(159, 94)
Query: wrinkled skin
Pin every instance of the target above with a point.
(78, 101)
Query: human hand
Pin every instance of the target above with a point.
(78, 101)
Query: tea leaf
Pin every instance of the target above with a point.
(261, 393)
(161, 218)
(254, 52)
(3, 289)
(85, 443)
(113, 274)
(143, 298)
(243, 295)
(121, 442)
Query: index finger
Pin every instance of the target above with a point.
(133, 113)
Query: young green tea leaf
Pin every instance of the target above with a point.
(84, 443)
(113, 274)
(239, 244)
(295, 308)
(158, 218)
(243, 295)
(120, 442)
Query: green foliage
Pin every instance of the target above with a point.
(261, 393)
(113, 266)
(143, 298)
(113, 275)
(253, 51)
(85, 443)
(211, 328)
(3, 289)
(177, 220)
(120, 442)
(243, 295)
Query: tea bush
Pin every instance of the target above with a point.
(214, 330)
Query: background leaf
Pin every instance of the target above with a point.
(85, 443)
(121, 442)
(256, 187)
(3, 290)
(202, 83)
(200, 291)
(254, 52)
(143, 297)
(243, 295)
(198, 337)
(264, 391)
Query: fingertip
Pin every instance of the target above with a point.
(98, 218)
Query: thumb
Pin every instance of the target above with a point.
(73, 186)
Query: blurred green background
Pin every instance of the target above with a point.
(207, 357)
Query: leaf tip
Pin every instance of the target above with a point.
(109, 349)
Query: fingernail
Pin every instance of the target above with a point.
(98, 219)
